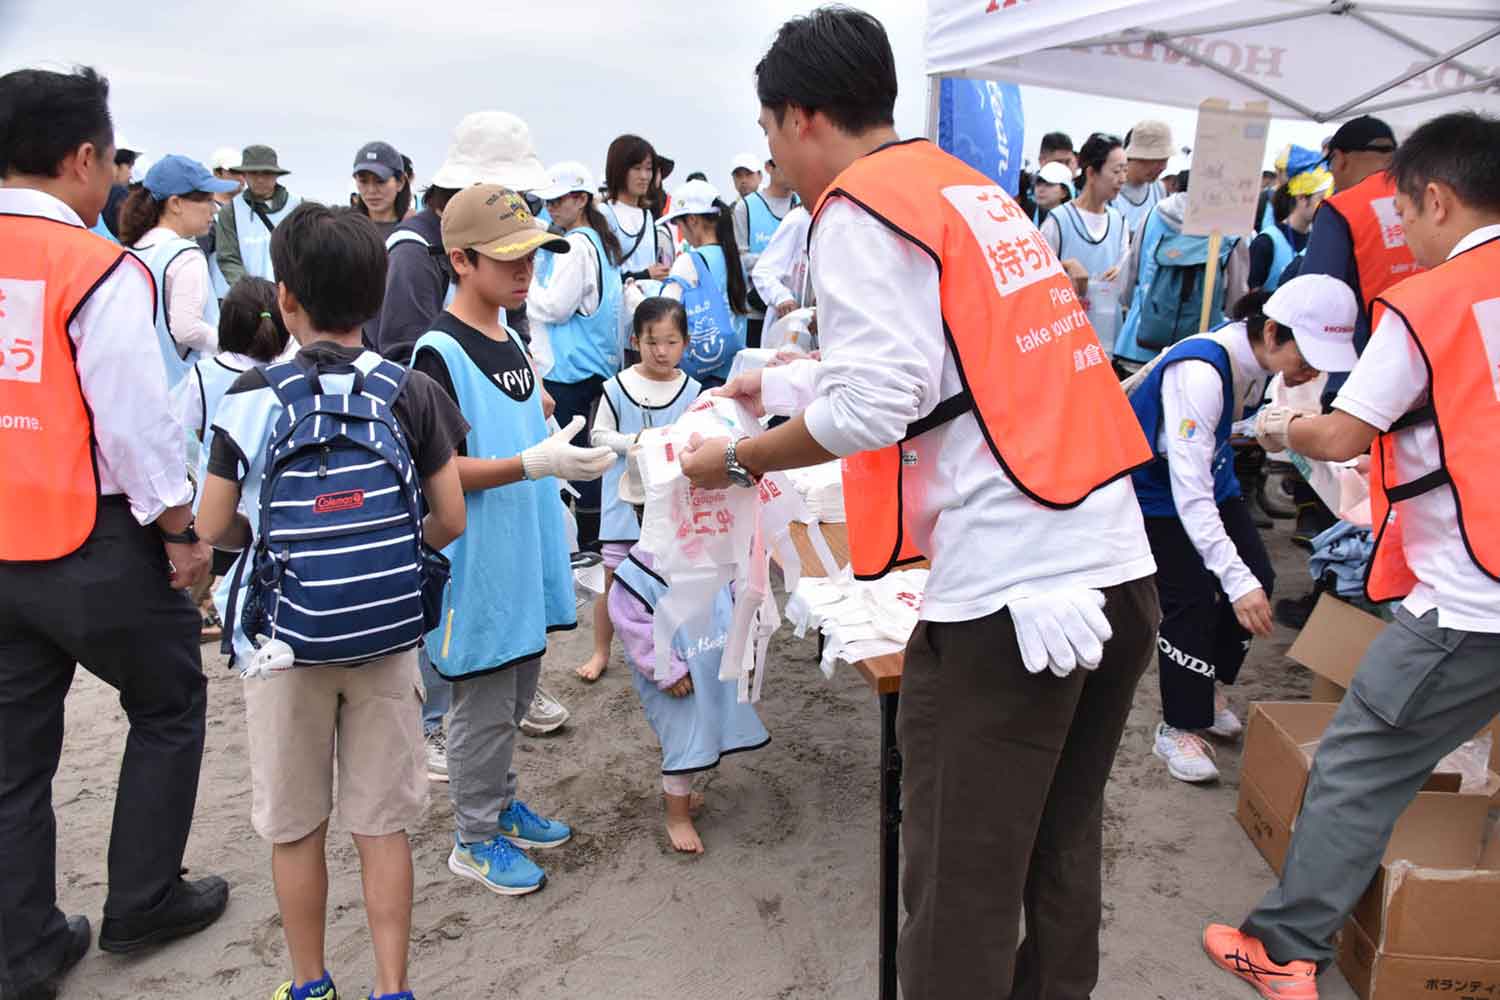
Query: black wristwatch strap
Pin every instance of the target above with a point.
(187, 536)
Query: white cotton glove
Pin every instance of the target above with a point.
(1061, 629)
(616, 441)
(1271, 425)
(556, 457)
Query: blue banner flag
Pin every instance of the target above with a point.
(981, 123)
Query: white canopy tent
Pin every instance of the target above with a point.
(1317, 60)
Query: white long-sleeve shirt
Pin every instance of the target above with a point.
(1192, 395)
(572, 288)
(781, 270)
(885, 365)
(187, 290)
(647, 392)
(138, 444)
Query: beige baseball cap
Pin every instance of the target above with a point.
(1150, 140)
(494, 221)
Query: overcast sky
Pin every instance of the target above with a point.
(317, 79)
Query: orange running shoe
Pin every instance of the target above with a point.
(1243, 955)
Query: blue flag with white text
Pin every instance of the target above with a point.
(981, 123)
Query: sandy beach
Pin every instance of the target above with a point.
(783, 905)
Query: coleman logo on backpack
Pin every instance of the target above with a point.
(328, 503)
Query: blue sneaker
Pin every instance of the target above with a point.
(498, 865)
(403, 995)
(524, 828)
(323, 989)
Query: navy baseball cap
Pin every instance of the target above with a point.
(380, 159)
(180, 175)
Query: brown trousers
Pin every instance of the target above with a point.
(1003, 802)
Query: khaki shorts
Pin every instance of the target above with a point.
(368, 717)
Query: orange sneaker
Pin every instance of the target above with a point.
(1243, 955)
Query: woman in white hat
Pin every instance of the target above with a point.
(1051, 188)
(710, 282)
(1212, 571)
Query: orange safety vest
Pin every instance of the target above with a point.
(1034, 373)
(49, 486)
(1453, 313)
(1381, 256)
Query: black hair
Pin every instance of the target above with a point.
(1282, 202)
(1182, 181)
(836, 60)
(1266, 175)
(126, 157)
(472, 256)
(658, 308)
(1460, 150)
(408, 168)
(46, 116)
(401, 206)
(723, 223)
(333, 261)
(250, 322)
(1056, 142)
(600, 225)
(624, 153)
(140, 212)
(437, 198)
(1250, 310)
(1094, 154)
(697, 175)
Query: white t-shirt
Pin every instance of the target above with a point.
(885, 365)
(1097, 224)
(1389, 381)
(643, 390)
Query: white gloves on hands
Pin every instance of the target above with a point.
(557, 457)
(1271, 426)
(1061, 630)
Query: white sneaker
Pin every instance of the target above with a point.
(1227, 725)
(546, 715)
(437, 755)
(1189, 757)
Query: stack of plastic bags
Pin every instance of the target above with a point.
(822, 490)
(859, 619)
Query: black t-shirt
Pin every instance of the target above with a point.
(504, 361)
(434, 427)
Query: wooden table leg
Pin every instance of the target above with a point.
(890, 843)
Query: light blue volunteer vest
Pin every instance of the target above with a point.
(1134, 214)
(512, 581)
(763, 221)
(545, 259)
(639, 249)
(1153, 485)
(100, 229)
(617, 522)
(215, 375)
(216, 276)
(697, 730)
(255, 238)
(158, 257)
(1098, 256)
(715, 332)
(400, 236)
(1280, 258)
(589, 345)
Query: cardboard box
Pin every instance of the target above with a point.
(1442, 828)
(1332, 644)
(1424, 932)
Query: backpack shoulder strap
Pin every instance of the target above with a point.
(385, 381)
(290, 383)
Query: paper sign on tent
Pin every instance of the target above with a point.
(1228, 149)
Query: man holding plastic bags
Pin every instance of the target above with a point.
(980, 424)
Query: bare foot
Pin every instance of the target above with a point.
(680, 829)
(593, 669)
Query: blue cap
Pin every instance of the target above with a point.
(182, 175)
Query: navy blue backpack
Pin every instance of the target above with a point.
(340, 571)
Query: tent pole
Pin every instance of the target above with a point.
(1490, 81)
(1426, 50)
(1414, 72)
(1445, 13)
(934, 95)
(1142, 34)
(1241, 79)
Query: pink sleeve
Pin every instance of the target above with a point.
(633, 624)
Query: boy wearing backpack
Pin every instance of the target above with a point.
(512, 581)
(336, 455)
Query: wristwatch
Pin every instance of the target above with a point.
(187, 536)
(738, 474)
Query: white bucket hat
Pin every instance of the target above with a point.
(224, 158)
(491, 147)
(567, 177)
(693, 198)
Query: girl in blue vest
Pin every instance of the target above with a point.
(629, 173)
(710, 282)
(579, 306)
(1213, 574)
(654, 392)
(1091, 231)
(251, 335)
(511, 580)
(697, 718)
(160, 222)
(1294, 204)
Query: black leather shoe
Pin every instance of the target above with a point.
(187, 908)
(77, 946)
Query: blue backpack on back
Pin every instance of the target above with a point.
(1173, 304)
(339, 571)
(713, 340)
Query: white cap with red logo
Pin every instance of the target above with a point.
(1320, 310)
